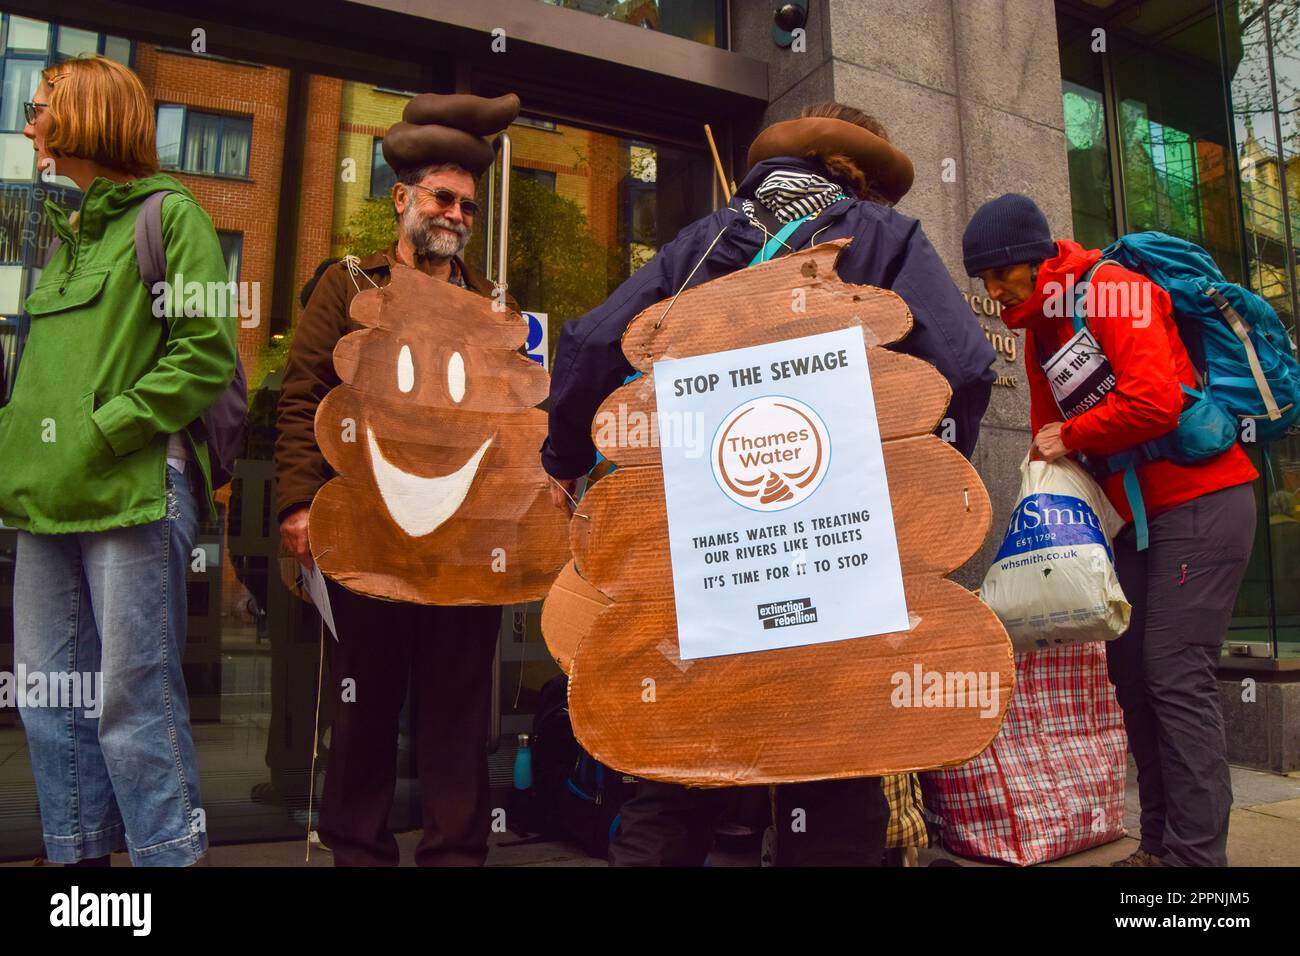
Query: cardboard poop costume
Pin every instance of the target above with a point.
(787, 714)
(439, 496)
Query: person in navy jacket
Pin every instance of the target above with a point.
(836, 166)
(889, 250)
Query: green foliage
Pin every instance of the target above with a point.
(371, 228)
(272, 357)
(264, 395)
(556, 265)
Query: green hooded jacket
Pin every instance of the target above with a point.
(103, 380)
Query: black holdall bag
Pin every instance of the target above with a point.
(225, 424)
(574, 796)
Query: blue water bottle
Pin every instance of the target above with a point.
(524, 764)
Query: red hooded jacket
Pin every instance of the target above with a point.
(1136, 330)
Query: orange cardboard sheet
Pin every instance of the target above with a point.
(440, 497)
(804, 713)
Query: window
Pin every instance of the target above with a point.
(118, 48)
(204, 143)
(382, 176)
(1083, 88)
(11, 290)
(533, 123)
(232, 249)
(28, 35)
(171, 121)
(21, 77)
(542, 177)
(17, 158)
(703, 21)
(73, 43)
(8, 352)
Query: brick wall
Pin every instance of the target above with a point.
(250, 206)
(364, 113)
(247, 206)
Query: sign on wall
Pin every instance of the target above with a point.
(538, 344)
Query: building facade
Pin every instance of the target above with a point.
(1114, 115)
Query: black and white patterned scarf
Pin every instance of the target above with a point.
(789, 195)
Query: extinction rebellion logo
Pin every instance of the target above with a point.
(771, 453)
(787, 613)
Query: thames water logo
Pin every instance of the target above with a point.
(771, 453)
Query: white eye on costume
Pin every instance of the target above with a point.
(456, 377)
(405, 370)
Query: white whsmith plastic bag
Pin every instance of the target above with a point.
(1053, 580)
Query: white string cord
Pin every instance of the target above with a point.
(353, 265)
(694, 270)
(572, 500)
(315, 737)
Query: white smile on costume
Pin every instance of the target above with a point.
(419, 505)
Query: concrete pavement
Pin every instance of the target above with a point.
(1264, 831)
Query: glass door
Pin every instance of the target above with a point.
(586, 210)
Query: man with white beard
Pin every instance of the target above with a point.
(442, 654)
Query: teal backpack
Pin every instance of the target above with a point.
(1244, 358)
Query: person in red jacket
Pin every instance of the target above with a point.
(1107, 389)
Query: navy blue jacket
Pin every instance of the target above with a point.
(889, 250)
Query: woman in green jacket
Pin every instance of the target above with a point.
(100, 474)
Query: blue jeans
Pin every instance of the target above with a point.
(113, 604)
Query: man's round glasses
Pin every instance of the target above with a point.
(445, 197)
(32, 110)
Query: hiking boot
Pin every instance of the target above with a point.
(1139, 857)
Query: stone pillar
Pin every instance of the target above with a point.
(971, 91)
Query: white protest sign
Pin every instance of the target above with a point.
(314, 582)
(1080, 374)
(783, 534)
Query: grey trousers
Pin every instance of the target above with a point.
(1182, 589)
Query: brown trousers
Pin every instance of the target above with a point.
(444, 656)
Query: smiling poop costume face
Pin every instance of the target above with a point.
(440, 497)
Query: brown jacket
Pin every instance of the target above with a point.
(300, 468)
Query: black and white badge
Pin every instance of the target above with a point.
(1079, 373)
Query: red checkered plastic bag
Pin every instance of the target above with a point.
(1052, 781)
